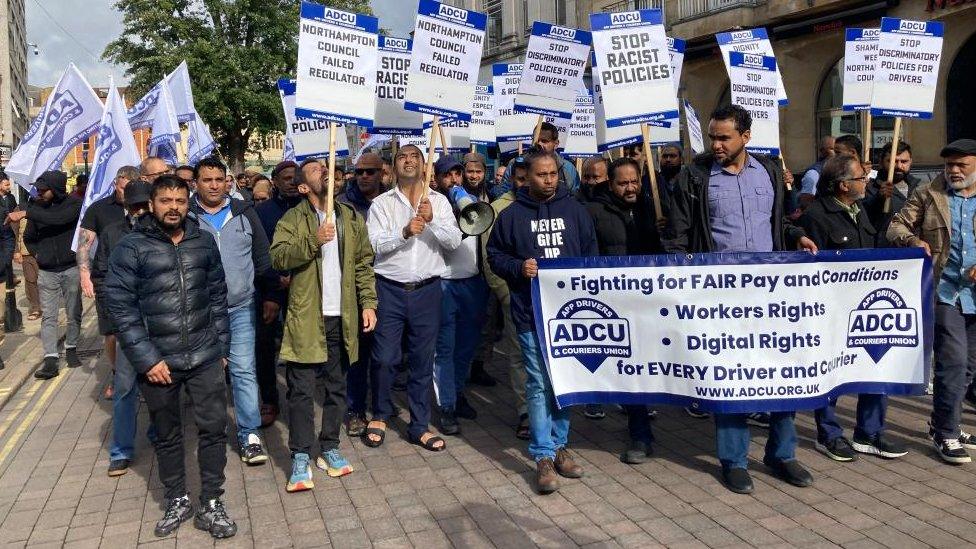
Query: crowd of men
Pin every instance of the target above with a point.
(201, 280)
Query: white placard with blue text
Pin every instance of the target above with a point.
(695, 138)
(737, 332)
(755, 41)
(510, 126)
(611, 137)
(553, 70)
(860, 58)
(666, 135)
(392, 73)
(907, 72)
(336, 71)
(754, 84)
(581, 138)
(483, 116)
(309, 136)
(631, 51)
(446, 57)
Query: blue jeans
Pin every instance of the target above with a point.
(870, 418)
(243, 369)
(462, 317)
(548, 425)
(732, 439)
(125, 406)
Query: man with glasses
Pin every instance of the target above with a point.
(367, 185)
(152, 167)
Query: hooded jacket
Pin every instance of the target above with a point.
(623, 229)
(51, 228)
(560, 227)
(354, 197)
(168, 302)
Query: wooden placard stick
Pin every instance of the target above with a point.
(655, 196)
(891, 161)
(867, 136)
(329, 199)
(431, 148)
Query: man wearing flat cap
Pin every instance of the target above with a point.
(941, 219)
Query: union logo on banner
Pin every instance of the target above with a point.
(882, 321)
(589, 331)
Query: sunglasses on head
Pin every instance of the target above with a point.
(367, 171)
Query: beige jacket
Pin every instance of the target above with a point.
(498, 286)
(925, 217)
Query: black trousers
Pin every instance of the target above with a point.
(302, 384)
(955, 357)
(266, 355)
(208, 392)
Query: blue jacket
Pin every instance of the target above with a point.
(530, 229)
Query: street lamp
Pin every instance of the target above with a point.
(33, 45)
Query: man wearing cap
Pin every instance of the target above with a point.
(411, 231)
(462, 308)
(51, 221)
(941, 219)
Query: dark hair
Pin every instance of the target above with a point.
(537, 154)
(241, 175)
(551, 128)
(620, 163)
(632, 150)
(851, 142)
(82, 179)
(681, 150)
(168, 181)
(4, 176)
(209, 162)
(735, 113)
(902, 147)
(594, 160)
(185, 167)
(837, 168)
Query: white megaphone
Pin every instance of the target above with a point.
(474, 217)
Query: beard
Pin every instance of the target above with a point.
(962, 184)
(170, 226)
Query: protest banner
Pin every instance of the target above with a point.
(336, 71)
(608, 137)
(754, 41)
(671, 133)
(483, 116)
(553, 70)
(581, 140)
(907, 71)
(309, 136)
(509, 126)
(754, 86)
(631, 51)
(741, 332)
(695, 138)
(392, 75)
(860, 58)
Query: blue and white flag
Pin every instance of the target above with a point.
(199, 143)
(165, 129)
(114, 149)
(289, 151)
(142, 113)
(70, 115)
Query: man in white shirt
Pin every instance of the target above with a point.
(462, 314)
(411, 231)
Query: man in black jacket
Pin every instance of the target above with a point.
(902, 186)
(51, 220)
(731, 201)
(166, 293)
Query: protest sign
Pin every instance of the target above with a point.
(483, 116)
(742, 332)
(444, 63)
(553, 70)
(562, 131)
(336, 72)
(510, 126)
(695, 138)
(676, 51)
(309, 136)
(754, 86)
(608, 137)
(581, 139)
(860, 58)
(754, 41)
(631, 50)
(391, 87)
(907, 70)
(671, 133)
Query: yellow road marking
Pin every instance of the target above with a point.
(20, 406)
(38, 406)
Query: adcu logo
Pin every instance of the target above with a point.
(882, 321)
(589, 331)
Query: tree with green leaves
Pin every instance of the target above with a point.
(235, 49)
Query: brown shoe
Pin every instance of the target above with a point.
(546, 478)
(566, 466)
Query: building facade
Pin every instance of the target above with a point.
(14, 113)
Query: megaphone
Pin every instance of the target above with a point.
(474, 217)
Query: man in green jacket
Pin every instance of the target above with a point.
(332, 289)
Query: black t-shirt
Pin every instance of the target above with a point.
(103, 213)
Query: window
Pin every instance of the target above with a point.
(493, 8)
(833, 120)
(560, 12)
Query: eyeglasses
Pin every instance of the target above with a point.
(367, 171)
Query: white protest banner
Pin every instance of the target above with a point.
(754, 85)
(695, 137)
(508, 125)
(457, 134)
(581, 140)
(733, 333)
(309, 136)
(907, 71)
(447, 44)
(336, 71)
(676, 49)
(860, 58)
(755, 41)
(610, 137)
(663, 135)
(554, 62)
(631, 50)
(391, 89)
(483, 116)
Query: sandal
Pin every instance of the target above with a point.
(34, 316)
(428, 441)
(522, 429)
(374, 431)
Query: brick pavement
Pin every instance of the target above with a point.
(54, 490)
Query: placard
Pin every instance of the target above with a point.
(483, 116)
(608, 137)
(336, 72)
(755, 41)
(392, 73)
(860, 60)
(754, 86)
(553, 70)
(631, 50)
(446, 57)
(695, 138)
(907, 73)
(581, 139)
(666, 135)
(509, 126)
(309, 136)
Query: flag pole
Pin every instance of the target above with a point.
(891, 161)
(329, 205)
(646, 133)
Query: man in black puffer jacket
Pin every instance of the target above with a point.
(166, 293)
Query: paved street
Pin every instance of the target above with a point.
(54, 490)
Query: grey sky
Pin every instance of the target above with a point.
(92, 24)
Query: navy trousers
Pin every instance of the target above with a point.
(955, 356)
(870, 418)
(406, 319)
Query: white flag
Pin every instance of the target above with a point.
(199, 143)
(141, 114)
(71, 114)
(165, 129)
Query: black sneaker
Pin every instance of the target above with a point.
(49, 369)
(479, 376)
(838, 449)
(967, 440)
(636, 453)
(791, 471)
(118, 467)
(178, 510)
(71, 357)
(951, 451)
(449, 422)
(252, 453)
(464, 410)
(697, 414)
(878, 446)
(759, 419)
(738, 480)
(213, 518)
